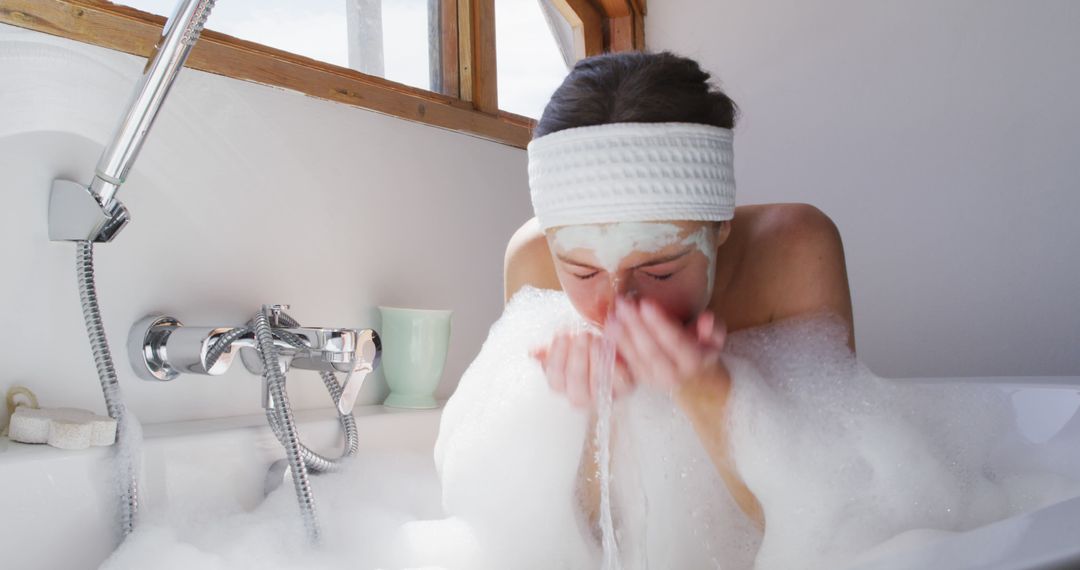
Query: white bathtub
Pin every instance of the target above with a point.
(1043, 539)
(56, 515)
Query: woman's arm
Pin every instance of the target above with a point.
(800, 266)
(704, 401)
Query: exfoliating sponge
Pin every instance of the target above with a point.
(65, 428)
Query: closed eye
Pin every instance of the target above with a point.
(660, 272)
(659, 265)
(586, 277)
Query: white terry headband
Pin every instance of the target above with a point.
(632, 172)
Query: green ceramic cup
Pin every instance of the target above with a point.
(414, 343)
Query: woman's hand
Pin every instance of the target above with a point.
(653, 349)
(573, 364)
(661, 352)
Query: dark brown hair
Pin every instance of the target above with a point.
(636, 87)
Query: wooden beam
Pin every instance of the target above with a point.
(465, 50)
(449, 46)
(620, 35)
(624, 24)
(639, 31)
(135, 32)
(587, 23)
(479, 69)
(616, 8)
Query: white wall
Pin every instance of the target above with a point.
(243, 195)
(942, 137)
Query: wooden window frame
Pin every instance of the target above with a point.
(467, 103)
(606, 25)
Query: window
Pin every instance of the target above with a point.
(531, 63)
(434, 63)
(384, 38)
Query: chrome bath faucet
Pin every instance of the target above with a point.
(161, 348)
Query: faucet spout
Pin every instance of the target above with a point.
(321, 349)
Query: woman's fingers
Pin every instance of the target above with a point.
(624, 346)
(671, 338)
(574, 364)
(627, 348)
(711, 332)
(719, 335)
(704, 327)
(649, 362)
(622, 382)
(556, 363)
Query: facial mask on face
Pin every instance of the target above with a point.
(703, 241)
(612, 243)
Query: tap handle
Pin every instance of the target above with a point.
(354, 380)
(368, 355)
(274, 313)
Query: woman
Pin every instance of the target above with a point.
(637, 240)
(743, 268)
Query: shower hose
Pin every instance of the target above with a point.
(301, 459)
(114, 403)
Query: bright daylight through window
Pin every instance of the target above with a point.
(389, 39)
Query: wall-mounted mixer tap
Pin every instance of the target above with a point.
(161, 348)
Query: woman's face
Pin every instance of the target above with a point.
(672, 263)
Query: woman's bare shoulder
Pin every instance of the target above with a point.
(528, 261)
(779, 225)
(793, 257)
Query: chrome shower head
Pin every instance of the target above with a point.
(92, 213)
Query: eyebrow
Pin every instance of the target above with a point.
(663, 260)
(650, 263)
(569, 261)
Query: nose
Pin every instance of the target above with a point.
(625, 288)
(619, 287)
